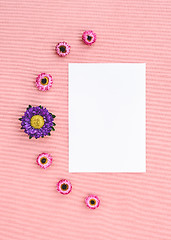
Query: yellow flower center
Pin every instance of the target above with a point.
(64, 187)
(92, 202)
(89, 38)
(62, 49)
(44, 81)
(37, 121)
(43, 160)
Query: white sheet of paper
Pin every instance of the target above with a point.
(107, 119)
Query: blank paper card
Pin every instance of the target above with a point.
(107, 117)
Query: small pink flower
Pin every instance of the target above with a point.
(44, 160)
(62, 49)
(64, 186)
(44, 82)
(92, 201)
(89, 37)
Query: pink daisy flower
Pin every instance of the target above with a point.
(62, 49)
(89, 37)
(44, 82)
(44, 160)
(64, 186)
(92, 201)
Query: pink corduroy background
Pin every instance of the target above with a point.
(133, 206)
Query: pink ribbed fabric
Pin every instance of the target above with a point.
(133, 206)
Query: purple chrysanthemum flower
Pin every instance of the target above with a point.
(37, 122)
